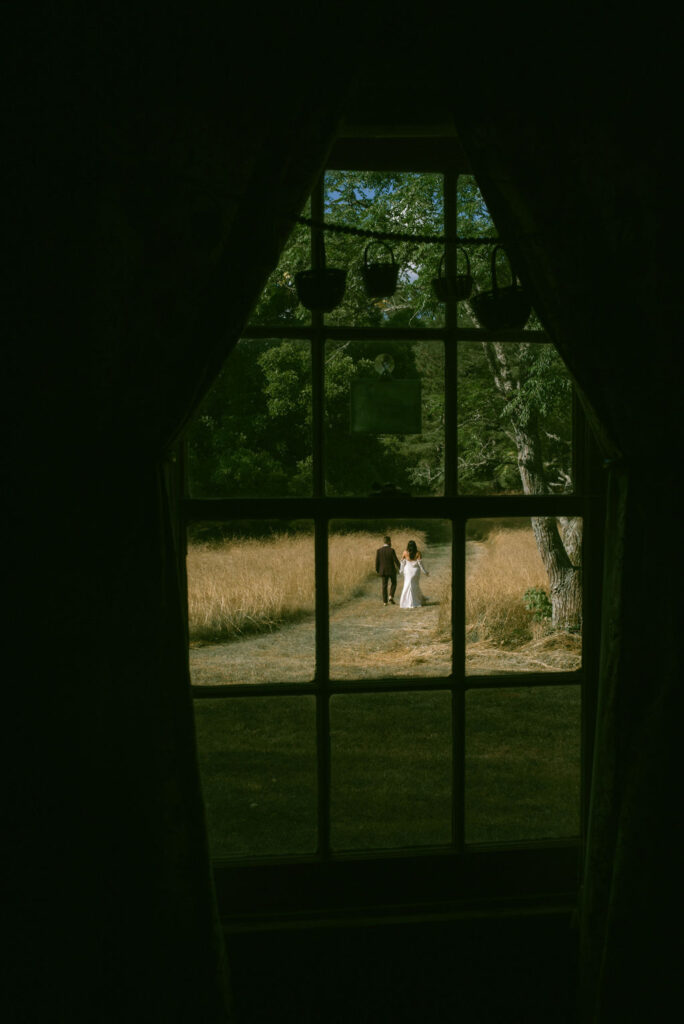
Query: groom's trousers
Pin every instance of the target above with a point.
(389, 581)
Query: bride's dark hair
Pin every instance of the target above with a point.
(412, 549)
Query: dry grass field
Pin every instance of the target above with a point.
(499, 571)
(500, 632)
(248, 585)
(255, 585)
(391, 753)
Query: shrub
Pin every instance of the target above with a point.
(537, 602)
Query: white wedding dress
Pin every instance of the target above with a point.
(411, 596)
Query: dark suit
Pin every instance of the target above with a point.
(386, 565)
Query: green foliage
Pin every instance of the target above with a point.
(539, 402)
(537, 602)
(252, 435)
(383, 201)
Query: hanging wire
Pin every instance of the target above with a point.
(394, 236)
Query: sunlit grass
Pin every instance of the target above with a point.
(252, 585)
(505, 566)
(391, 754)
(391, 769)
(499, 570)
(247, 585)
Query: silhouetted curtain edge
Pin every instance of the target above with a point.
(575, 205)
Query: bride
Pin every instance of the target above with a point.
(411, 568)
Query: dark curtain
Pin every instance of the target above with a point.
(573, 145)
(164, 165)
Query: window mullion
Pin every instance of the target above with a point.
(322, 687)
(458, 535)
(321, 543)
(457, 525)
(317, 353)
(450, 349)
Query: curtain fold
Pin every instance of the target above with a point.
(578, 182)
(166, 162)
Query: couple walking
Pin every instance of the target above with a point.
(410, 567)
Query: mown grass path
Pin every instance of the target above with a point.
(367, 639)
(391, 753)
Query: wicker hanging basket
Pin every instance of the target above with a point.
(455, 287)
(501, 309)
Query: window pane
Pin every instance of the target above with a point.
(517, 620)
(370, 639)
(514, 419)
(278, 302)
(522, 763)
(391, 770)
(251, 602)
(385, 201)
(251, 437)
(384, 417)
(257, 760)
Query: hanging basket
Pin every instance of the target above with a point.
(455, 287)
(501, 308)
(379, 279)
(321, 288)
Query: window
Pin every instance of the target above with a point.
(334, 730)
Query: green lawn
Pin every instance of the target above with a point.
(391, 769)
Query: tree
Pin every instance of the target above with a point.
(248, 438)
(527, 393)
(514, 402)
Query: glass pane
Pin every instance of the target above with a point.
(391, 770)
(408, 636)
(257, 759)
(517, 620)
(251, 601)
(514, 419)
(522, 763)
(278, 302)
(384, 418)
(385, 201)
(251, 436)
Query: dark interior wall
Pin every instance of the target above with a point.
(162, 165)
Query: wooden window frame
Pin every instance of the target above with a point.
(421, 882)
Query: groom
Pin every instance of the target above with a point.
(386, 565)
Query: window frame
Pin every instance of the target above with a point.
(410, 883)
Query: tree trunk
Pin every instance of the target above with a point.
(559, 541)
(565, 579)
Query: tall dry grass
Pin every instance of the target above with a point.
(498, 572)
(247, 585)
(243, 586)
